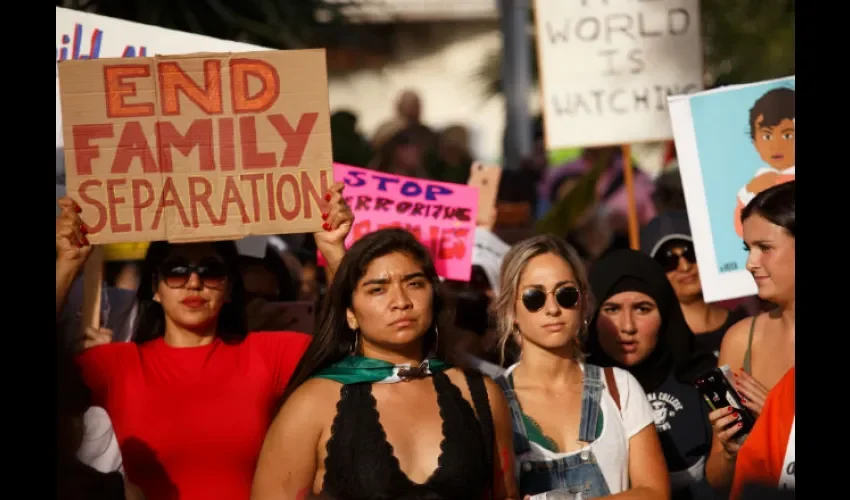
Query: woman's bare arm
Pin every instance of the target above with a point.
(648, 475)
(286, 469)
(504, 484)
(720, 465)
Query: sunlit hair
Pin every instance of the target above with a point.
(514, 265)
(333, 339)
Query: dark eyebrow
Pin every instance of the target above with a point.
(386, 281)
(789, 129)
(644, 303)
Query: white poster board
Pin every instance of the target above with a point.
(726, 138)
(608, 66)
(80, 35)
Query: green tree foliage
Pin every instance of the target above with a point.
(744, 41)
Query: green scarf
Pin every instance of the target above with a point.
(357, 369)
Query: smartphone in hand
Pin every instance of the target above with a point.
(719, 393)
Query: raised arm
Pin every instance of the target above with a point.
(286, 469)
(72, 249)
(338, 221)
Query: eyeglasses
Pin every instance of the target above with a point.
(212, 273)
(534, 299)
(669, 259)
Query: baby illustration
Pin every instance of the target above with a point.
(772, 123)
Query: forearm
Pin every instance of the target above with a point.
(719, 470)
(65, 275)
(333, 256)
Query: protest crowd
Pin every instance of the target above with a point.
(550, 336)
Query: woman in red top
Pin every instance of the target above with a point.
(191, 399)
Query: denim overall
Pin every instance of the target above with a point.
(578, 474)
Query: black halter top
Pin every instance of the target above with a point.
(360, 464)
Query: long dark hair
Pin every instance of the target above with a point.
(151, 320)
(777, 205)
(333, 339)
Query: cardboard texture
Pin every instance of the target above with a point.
(197, 147)
(486, 178)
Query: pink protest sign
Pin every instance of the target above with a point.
(441, 215)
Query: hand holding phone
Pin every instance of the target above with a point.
(729, 418)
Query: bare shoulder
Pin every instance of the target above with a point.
(735, 340)
(315, 397)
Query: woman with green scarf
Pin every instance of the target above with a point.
(373, 411)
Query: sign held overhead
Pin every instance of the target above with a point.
(197, 147)
(608, 66)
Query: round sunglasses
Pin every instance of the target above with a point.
(212, 273)
(669, 259)
(534, 298)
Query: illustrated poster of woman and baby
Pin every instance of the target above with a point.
(732, 143)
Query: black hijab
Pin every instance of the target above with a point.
(632, 271)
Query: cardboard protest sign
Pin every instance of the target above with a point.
(441, 215)
(486, 178)
(606, 68)
(197, 147)
(731, 143)
(83, 35)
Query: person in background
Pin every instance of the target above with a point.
(638, 326)
(578, 428)
(610, 190)
(768, 456)
(89, 465)
(761, 349)
(349, 145)
(667, 239)
(118, 314)
(409, 112)
(451, 159)
(668, 194)
(122, 274)
(401, 155)
(192, 397)
(374, 411)
(473, 300)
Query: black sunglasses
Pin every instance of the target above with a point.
(212, 273)
(669, 259)
(534, 298)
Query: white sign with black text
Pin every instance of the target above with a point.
(608, 66)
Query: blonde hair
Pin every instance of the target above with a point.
(513, 266)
